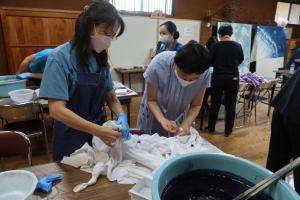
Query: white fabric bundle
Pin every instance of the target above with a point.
(131, 160)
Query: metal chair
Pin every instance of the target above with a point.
(243, 97)
(262, 95)
(27, 118)
(14, 143)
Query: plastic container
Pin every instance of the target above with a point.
(21, 96)
(238, 166)
(9, 83)
(17, 184)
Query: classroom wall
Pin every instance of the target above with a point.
(254, 11)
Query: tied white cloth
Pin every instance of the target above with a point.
(131, 160)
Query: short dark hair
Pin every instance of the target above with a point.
(171, 27)
(193, 58)
(225, 29)
(98, 12)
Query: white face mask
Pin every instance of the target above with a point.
(164, 38)
(182, 82)
(100, 42)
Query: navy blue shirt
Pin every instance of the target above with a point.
(175, 47)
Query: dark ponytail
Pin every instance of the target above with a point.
(176, 35)
(171, 27)
(98, 12)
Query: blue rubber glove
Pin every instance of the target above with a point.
(122, 120)
(25, 75)
(45, 183)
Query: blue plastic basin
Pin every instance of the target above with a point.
(9, 83)
(238, 166)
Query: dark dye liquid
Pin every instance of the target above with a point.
(207, 185)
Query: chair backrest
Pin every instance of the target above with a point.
(244, 92)
(265, 88)
(13, 143)
(21, 112)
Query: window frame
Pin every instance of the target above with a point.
(142, 13)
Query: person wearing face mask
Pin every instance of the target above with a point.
(168, 36)
(176, 83)
(226, 57)
(77, 82)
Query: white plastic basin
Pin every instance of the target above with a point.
(21, 96)
(17, 184)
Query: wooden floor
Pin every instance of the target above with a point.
(249, 142)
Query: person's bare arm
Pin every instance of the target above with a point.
(60, 112)
(193, 111)
(37, 75)
(168, 125)
(113, 102)
(25, 63)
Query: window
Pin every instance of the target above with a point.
(143, 6)
(289, 11)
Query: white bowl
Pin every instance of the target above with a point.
(17, 184)
(21, 96)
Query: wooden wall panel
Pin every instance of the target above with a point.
(60, 30)
(27, 31)
(3, 59)
(38, 31)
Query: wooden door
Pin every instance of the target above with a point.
(27, 31)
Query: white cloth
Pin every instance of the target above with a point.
(131, 160)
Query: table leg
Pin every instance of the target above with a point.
(128, 111)
(129, 79)
(123, 79)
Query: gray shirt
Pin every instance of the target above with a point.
(172, 98)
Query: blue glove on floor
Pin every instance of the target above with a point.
(25, 75)
(45, 183)
(122, 120)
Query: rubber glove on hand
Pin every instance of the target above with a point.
(122, 120)
(25, 75)
(45, 183)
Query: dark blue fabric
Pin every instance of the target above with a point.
(87, 101)
(287, 101)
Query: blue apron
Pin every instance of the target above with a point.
(87, 101)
